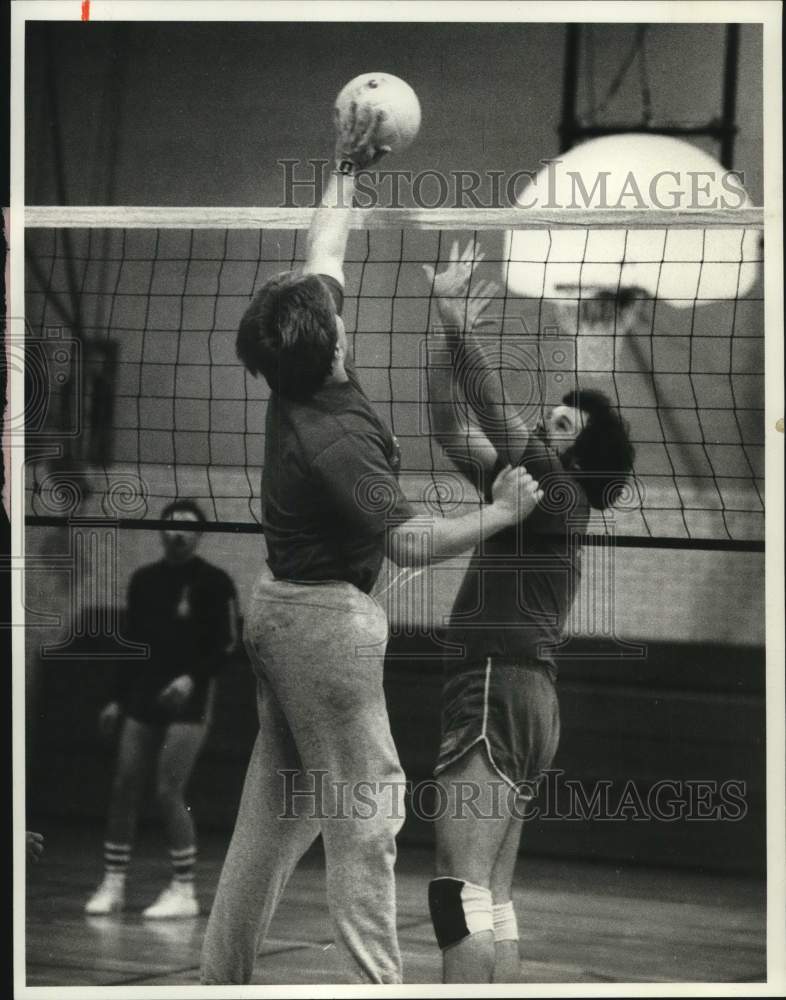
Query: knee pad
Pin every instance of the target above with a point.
(458, 909)
(506, 926)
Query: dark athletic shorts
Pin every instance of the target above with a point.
(511, 708)
(143, 705)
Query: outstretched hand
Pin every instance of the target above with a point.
(458, 304)
(452, 283)
(356, 138)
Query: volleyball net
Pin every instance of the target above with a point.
(135, 396)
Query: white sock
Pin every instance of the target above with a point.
(506, 927)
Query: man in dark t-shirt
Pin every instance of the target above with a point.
(331, 509)
(324, 454)
(518, 589)
(500, 715)
(185, 611)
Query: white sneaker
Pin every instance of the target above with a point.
(109, 897)
(178, 900)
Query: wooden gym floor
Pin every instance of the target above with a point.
(580, 923)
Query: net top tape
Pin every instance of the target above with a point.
(163, 217)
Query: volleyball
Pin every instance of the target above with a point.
(388, 96)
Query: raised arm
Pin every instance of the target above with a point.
(481, 384)
(356, 150)
(360, 491)
(464, 443)
(422, 540)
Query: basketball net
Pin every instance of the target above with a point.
(602, 311)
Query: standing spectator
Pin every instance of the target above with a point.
(184, 609)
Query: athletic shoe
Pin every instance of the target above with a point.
(178, 900)
(109, 897)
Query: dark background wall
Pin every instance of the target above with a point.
(199, 114)
(689, 715)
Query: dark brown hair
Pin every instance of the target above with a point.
(288, 334)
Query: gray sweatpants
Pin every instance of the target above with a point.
(318, 652)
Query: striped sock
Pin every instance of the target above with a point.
(116, 858)
(183, 862)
